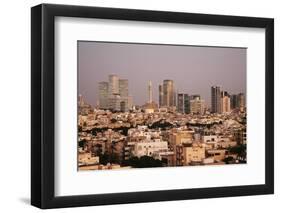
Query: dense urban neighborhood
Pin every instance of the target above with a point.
(180, 129)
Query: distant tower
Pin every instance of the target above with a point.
(169, 93)
(225, 102)
(216, 99)
(241, 100)
(114, 94)
(197, 106)
(183, 103)
(234, 101)
(113, 85)
(80, 100)
(161, 94)
(175, 97)
(149, 92)
(103, 94)
(124, 87)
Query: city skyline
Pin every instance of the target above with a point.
(144, 106)
(114, 95)
(94, 66)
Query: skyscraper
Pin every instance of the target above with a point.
(197, 106)
(183, 103)
(216, 99)
(123, 106)
(180, 107)
(175, 98)
(168, 93)
(186, 103)
(123, 87)
(225, 102)
(149, 92)
(124, 95)
(113, 85)
(103, 95)
(234, 101)
(114, 95)
(241, 100)
(161, 95)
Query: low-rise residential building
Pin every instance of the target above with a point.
(87, 159)
(188, 154)
(217, 154)
(150, 148)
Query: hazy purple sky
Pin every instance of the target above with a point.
(194, 69)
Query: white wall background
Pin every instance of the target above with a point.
(15, 105)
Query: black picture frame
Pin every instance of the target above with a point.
(43, 110)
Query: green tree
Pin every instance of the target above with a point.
(229, 160)
(240, 150)
(104, 158)
(143, 162)
(82, 143)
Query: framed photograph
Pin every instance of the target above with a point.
(139, 106)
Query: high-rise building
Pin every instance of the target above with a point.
(175, 98)
(122, 106)
(103, 95)
(183, 103)
(238, 101)
(150, 106)
(113, 88)
(80, 100)
(225, 102)
(216, 99)
(113, 102)
(149, 92)
(194, 96)
(180, 106)
(114, 95)
(241, 100)
(123, 87)
(161, 95)
(197, 106)
(186, 103)
(168, 93)
(234, 101)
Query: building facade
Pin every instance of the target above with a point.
(114, 95)
(161, 95)
(215, 99)
(189, 154)
(225, 102)
(241, 100)
(123, 87)
(183, 105)
(197, 106)
(113, 84)
(103, 95)
(149, 92)
(150, 148)
(168, 93)
(233, 101)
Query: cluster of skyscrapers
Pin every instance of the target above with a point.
(222, 101)
(114, 94)
(182, 102)
(193, 104)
